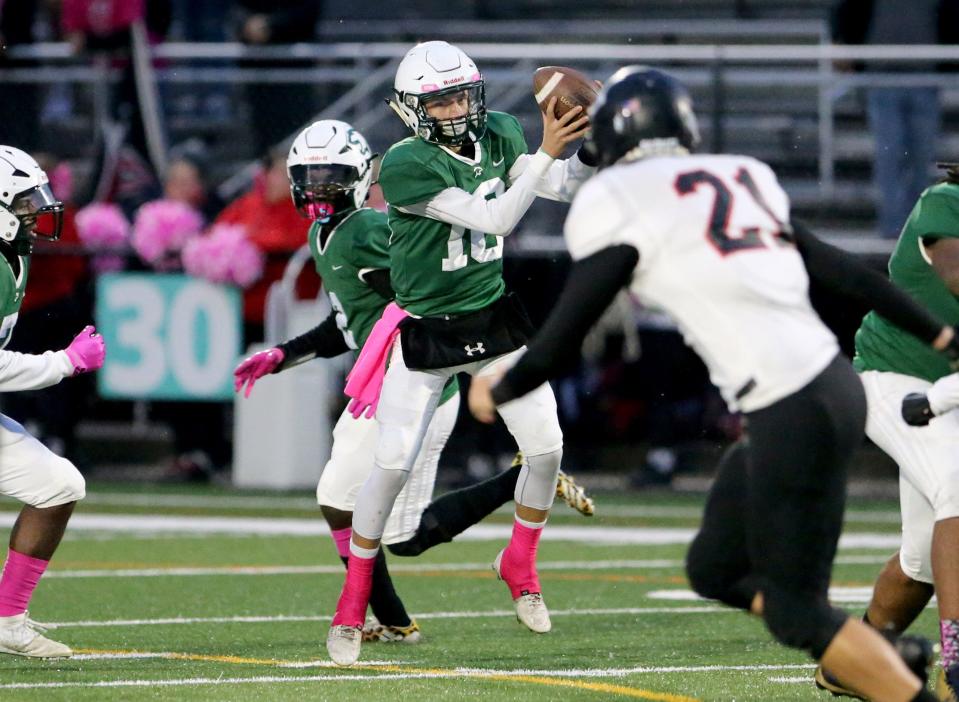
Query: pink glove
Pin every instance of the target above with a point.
(86, 351)
(255, 367)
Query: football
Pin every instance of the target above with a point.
(567, 85)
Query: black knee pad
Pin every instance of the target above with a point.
(800, 620)
(704, 576)
(718, 577)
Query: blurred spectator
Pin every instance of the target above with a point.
(104, 27)
(19, 116)
(201, 21)
(187, 179)
(63, 302)
(273, 223)
(905, 119)
(278, 109)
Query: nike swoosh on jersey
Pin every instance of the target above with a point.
(500, 162)
(336, 268)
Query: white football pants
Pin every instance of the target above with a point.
(928, 459)
(32, 473)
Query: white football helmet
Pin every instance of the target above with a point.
(330, 166)
(432, 70)
(28, 208)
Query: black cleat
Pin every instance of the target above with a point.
(915, 651)
(825, 681)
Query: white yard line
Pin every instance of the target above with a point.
(374, 676)
(281, 502)
(261, 526)
(417, 567)
(425, 616)
(401, 567)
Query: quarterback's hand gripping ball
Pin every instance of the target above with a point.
(255, 367)
(87, 351)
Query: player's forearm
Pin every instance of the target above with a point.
(592, 284)
(845, 275)
(498, 215)
(27, 371)
(563, 178)
(325, 340)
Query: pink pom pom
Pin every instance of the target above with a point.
(107, 263)
(224, 255)
(101, 226)
(160, 230)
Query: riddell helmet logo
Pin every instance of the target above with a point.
(454, 80)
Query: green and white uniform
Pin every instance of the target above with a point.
(893, 363)
(448, 215)
(358, 244)
(29, 471)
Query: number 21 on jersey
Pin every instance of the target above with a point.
(717, 231)
(456, 257)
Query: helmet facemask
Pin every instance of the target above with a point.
(38, 214)
(324, 191)
(468, 128)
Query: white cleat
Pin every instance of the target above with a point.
(531, 610)
(343, 643)
(20, 636)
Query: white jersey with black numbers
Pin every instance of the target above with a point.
(707, 229)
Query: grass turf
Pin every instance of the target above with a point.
(611, 638)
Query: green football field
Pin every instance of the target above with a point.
(209, 594)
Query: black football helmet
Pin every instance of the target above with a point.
(641, 112)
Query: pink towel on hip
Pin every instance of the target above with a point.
(365, 380)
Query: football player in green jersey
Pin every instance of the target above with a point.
(330, 171)
(920, 434)
(48, 485)
(455, 188)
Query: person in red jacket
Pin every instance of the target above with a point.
(273, 223)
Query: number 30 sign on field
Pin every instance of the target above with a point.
(168, 337)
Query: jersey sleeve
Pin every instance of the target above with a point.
(371, 244)
(597, 220)
(28, 371)
(938, 214)
(407, 180)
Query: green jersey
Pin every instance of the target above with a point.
(13, 283)
(438, 268)
(358, 244)
(880, 345)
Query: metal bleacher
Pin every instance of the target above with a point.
(760, 71)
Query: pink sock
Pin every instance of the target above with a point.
(341, 537)
(518, 565)
(20, 576)
(351, 608)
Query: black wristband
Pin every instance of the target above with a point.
(916, 411)
(587, 157)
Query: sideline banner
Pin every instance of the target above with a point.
(169, 337)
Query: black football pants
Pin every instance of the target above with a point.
(774, 515)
